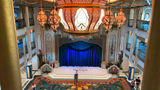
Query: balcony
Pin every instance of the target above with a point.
(130, 23)
(20, 23)
(141, 54)
(140, 24)
(143, 25)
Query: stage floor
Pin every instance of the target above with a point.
(83, 72)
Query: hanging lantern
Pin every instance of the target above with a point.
(42, 18)
(108, 19)
(120, 18)
(54, 19)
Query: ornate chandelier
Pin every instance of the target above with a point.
(108, 20)
(81, 17)
(54, 19)
(121, 17)
(42, 18)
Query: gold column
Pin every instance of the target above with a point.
(151, 79)
(9, 61)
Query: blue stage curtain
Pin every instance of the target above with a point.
(80, 54)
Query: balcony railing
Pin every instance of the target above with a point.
(20, 23)
(31, 21)
(20, 49)
(140, 24)
(141, 54)
(130, 23)
(143, 25)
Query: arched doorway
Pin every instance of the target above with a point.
(80, 54)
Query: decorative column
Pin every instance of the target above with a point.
(103, 64)
(54, 51)
(125, 32)
(151, 78)
(28, 33)
(118, 38)
(136, 58)
(43, 43)
(24, 51)
(21, 12)
(133, 35)
(36, 28)
(57, 47)
(107, 47)
(10, 78)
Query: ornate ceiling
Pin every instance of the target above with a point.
(48, 3)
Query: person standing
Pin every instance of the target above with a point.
(132, 85)
(76, 78)
(138, 81)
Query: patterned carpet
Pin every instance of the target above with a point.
(47, 83)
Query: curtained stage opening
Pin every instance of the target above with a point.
(80, 54)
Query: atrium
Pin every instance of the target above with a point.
(79, 45)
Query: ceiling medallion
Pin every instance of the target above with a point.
(54, 19)
(42, 18)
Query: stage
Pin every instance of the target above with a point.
(94, 73)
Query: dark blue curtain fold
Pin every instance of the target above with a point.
(80, 54)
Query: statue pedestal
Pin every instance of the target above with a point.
(56, 64)
(103, 65)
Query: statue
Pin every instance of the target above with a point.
(120, 59)
(40, 59)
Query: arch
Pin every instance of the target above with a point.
(146, 11)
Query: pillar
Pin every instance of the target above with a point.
(117, 44)
(136, 58)
(107, 48)
(53, 46)
(28, 33)
(133, 36)
(151, 78)
(24, 51)
(43, 43)
(36, 28)
(9, 60)
(103, 63)
(21, 12)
